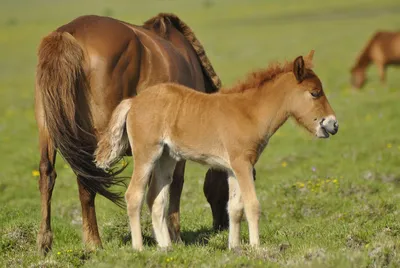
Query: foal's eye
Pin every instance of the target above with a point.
(315, 94)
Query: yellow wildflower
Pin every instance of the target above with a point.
(389, 145)
(284, 164)
(35, 173)
(335, 181)
(301, 185)
(59, 253)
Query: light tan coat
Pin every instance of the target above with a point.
(226, 130)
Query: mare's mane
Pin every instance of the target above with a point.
(363, 59)
(258, 78)
(162, 23)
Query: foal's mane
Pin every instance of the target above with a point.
(258, 78)
(162, 23)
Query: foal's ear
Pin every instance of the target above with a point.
(310, 56)
(299, 69)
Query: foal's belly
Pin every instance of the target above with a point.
(208, 159)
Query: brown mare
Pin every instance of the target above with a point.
(85, 69)
(226, 130)
(383, 49)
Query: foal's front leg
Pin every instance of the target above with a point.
(244, 174)
(235, 211)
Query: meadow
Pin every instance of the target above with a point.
(325, 203)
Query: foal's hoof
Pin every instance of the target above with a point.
(44, 242)
(236, 250)
(166, 249)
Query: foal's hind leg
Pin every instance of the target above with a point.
(144, 164)
(174, 202)
(157, 198)
(91, 236)
(46, 184)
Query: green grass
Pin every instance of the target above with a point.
(325, 203)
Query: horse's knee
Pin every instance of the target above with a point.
(86, 195)
(47, 175)
(235, 210)
(133, 202)
(253, 209)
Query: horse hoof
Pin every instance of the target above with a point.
(44, 242)
(166, 249)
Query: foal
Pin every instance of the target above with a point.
(226, 130)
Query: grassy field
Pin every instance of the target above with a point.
(325, 203)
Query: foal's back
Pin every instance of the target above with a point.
(187, 122)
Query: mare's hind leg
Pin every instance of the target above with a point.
(91, 236)
(46, 184)
(174, 202)
(157, 198)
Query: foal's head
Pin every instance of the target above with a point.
(309, 105)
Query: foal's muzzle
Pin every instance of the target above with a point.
(327, 125)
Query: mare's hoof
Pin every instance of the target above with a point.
(44, 242)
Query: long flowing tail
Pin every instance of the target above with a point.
(114, 141)
(60, 80)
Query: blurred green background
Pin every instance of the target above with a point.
(328, 203)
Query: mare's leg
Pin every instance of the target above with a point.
(157, 198)
(91, 236)
(46, 184)
(174, 202)
(235, 211)
(216, 191)
(244, 173)
(144, 164)
(382, 72)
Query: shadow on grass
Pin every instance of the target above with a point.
(198, 237)
(147, 240)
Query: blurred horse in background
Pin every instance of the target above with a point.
(85, 69)
(383, 49)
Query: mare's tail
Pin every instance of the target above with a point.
(60, 78)
(114, 141)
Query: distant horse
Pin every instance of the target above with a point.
(227, 130)
(85, 69)
(383, 49)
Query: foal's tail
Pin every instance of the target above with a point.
(114, 141)
(60, 82)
